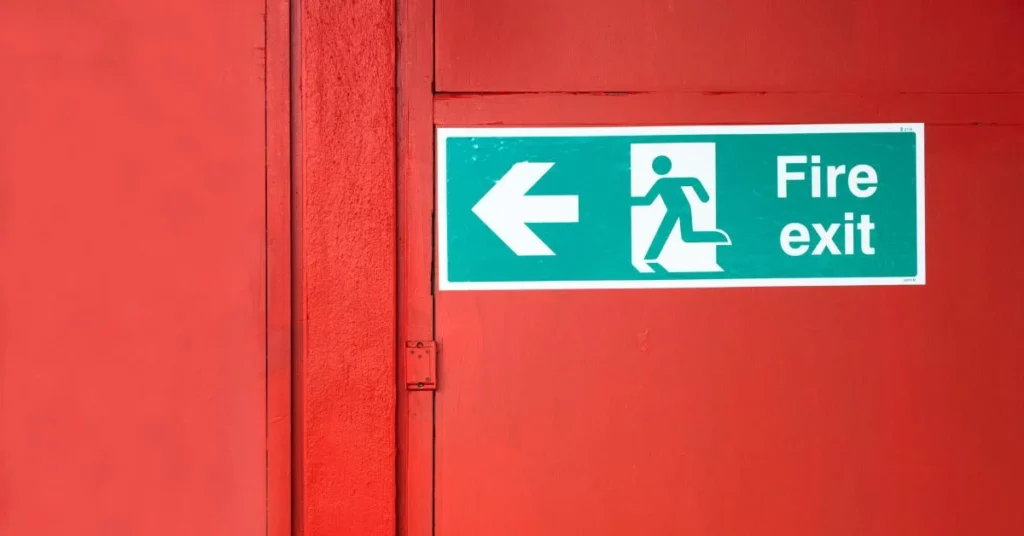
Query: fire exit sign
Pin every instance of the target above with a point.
(680, 207)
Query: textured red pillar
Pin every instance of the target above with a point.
(345, 295)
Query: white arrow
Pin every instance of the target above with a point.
(506, 209)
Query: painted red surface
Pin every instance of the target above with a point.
(887, 411)
(346, 293)
(728, 45)
(800, 411)
(415, 432)
(279, 273)
(133, 313)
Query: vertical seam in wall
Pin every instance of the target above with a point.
(433, 265)
(266, 268)
(396, 245)
(298, 295)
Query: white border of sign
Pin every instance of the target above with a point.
(443, 133)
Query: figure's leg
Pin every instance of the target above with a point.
(661, 237)
(697, 237)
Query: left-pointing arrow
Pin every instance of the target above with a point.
(506, 209)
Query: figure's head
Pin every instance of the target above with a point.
(662, 165)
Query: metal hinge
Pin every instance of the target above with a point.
(420, 365)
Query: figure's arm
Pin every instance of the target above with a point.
(651, 197)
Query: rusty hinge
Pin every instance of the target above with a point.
(420, 365)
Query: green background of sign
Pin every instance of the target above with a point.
(749, 210)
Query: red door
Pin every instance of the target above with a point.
(789, 411)
(133, 340)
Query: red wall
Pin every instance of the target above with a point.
(133, 327)
(345, 296)
(132, 284)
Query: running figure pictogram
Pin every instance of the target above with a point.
(677, 209)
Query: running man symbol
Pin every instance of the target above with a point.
(673, 186)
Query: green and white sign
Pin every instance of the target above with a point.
(680, 207)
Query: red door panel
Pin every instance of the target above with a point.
(878, 410)
(728, 45)
(132, 310)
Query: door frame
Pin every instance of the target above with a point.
(278, 268)
(415, 151)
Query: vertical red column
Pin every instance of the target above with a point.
(345, 293)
